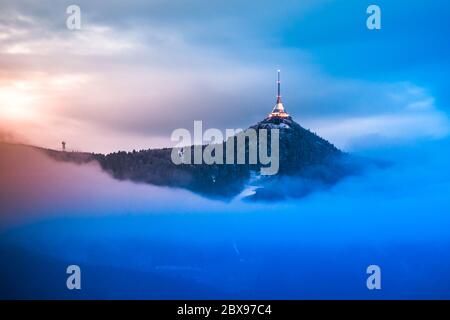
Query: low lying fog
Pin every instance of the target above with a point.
(397, 217)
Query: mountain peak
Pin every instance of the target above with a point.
(298, 146)
(302, 155)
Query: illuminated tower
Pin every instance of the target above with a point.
(278, 111)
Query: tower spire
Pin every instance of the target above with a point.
(279, 87)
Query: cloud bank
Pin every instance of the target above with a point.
(395, 217)
(135, 73)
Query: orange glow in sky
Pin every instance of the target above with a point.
(17, 101)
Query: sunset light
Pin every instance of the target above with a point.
(17, 102)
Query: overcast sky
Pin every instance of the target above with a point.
(137, 70)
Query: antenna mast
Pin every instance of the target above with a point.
(279, 87)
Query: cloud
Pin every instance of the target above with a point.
(33, 186)
(134, 73)
(396, 217)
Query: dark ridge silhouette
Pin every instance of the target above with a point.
(304, 156)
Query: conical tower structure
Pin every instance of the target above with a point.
(278, 111)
